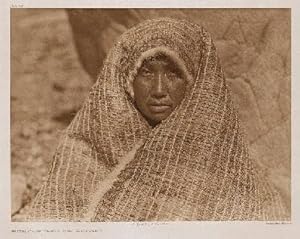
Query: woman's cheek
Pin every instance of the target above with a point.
(146, 86)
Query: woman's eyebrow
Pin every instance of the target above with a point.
(144, 67)
(174, 68)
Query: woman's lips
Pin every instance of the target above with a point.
(159, 108)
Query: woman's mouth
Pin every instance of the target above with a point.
(159, 108)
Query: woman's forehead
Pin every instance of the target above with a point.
(161, 60)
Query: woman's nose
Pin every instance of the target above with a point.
(159, 87)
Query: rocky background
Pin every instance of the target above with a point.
(55, 56)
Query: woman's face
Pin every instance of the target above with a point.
(158, 88)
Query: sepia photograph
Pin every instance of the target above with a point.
(126, 115)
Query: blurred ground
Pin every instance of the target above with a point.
(48, 83)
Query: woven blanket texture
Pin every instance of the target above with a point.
(110, 165)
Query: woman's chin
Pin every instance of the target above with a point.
(157, 118)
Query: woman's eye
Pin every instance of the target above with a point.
(146, 72)
(173, 75)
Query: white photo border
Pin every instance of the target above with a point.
(231, 230)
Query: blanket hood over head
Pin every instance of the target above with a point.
(111, 165)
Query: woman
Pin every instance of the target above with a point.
(157, 139)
